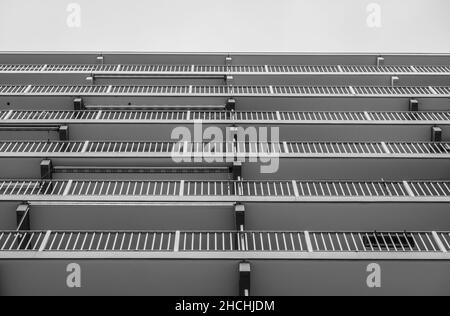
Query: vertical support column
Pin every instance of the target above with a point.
(64, 133)
(229, 80)
(47, 175)
(436, 134)
(233, 134)
(78, 104)
(244, 279)
(239, 211)
(236, 173)
(236, 170)
(23, 217)
(232, 141)
(23, 225)
(46, 170)
(234, 131)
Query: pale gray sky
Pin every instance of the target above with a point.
(231, 25)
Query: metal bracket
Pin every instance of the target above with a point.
(380, 61)
(231, 105)
(23, 217)
(436, 134)
(244, 279)
(64, 133)
(413, 105)
(78, 104)
(239, 210)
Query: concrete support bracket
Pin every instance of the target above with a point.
(228, 61)
(236, 171)
(46, 170)
(394, 80)
(413, 105)
(100, 59)
(436, 134)
(231, 105)
(23, 217)
(64, 133)
(380, 61)
(239, 211)
(78, 104)
(244, 279)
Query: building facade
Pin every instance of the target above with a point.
(224, 174)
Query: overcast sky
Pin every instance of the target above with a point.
(225, 26)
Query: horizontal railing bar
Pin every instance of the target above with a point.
(25, 128)
(226, 91)
(217, 117)
(227, 256)
(158, 75)
(268, 242)
(224, 191)
(140, 170)
(226, 149)
(112, 69)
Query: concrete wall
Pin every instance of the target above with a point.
(271, 217)
(212, 278)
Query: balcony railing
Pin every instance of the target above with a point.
(225, 91)
(223, 117)
(97, 149)
(267, 70)
(224, 191)
(226, 244)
